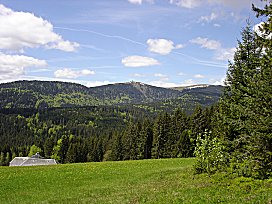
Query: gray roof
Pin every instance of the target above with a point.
(29, 161)
(37, 155)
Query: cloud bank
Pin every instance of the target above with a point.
(162, 46)
(20, 30)
(72, 74)
(13, 66)
(139, 61)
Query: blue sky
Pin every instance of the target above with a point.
(164, 43)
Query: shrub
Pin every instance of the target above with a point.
(211, 154)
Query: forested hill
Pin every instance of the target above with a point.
(43, 94)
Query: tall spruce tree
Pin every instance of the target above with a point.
(263, 107)
(244, 116)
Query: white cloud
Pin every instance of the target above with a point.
(139, 1)
(181, 74)
(218, 82)
(216, 25)
(64, 45)
(164, 84)
(206, 43)
(235, 4)
(139, 61)
(199, 76)
(186, 3)
(97, 83)
(189, 82)
(162, 46)
(162, 77)
(72, 74)
(225, 54)
(222, 54)
(14, 66)
(138, 75)
(209, 18)
(19, 30)
(179, 46)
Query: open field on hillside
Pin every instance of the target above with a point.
(147, 181)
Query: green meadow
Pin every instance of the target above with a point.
(146, 181)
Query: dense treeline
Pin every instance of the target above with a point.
(48, 94)
(100, 133)
(241, 138)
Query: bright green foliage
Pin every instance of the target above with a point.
(2, 159)
(160, 181)
(210, 153)
(56, 150)
(33, 150)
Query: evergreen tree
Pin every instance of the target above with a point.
(147, 133)
(161, 137)
(244, 114)
(262, 108)
(71, 154)
(48, 147)
(117, 153)
(180, 123)
(184, 145)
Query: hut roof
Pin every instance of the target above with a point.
(29, 161)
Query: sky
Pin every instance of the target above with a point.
(165, 43)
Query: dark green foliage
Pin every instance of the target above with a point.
(117, 153)
(46, 94)
(162, 137)
(244, 119)
(185, 145)
(96, 134)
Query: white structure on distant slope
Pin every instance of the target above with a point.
(35, 160)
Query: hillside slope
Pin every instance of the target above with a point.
(44, 94)
(146, 181)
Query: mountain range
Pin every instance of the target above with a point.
(47, 94)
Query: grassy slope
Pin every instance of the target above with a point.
(148, 181)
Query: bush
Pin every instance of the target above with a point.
(211, 154)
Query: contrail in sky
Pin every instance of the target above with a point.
(102, 34)
(197, 61)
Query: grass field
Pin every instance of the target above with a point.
(148, 181)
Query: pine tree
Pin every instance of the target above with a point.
(48, 147)
(147, 133)
(262, 148)
(180, 123)
(71, 154)
(244, 113)
(117, 153)
(162, 137)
